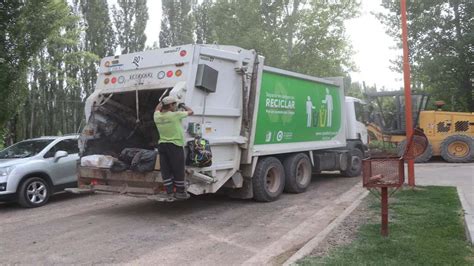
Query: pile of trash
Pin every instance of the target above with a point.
(135, 159)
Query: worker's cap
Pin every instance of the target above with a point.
(169, 100)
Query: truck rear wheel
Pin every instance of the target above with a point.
(268, 180)
(297, 173)
(355, 163)
(457, 149)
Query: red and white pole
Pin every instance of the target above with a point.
(406, 79)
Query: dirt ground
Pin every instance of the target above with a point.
(346, 232)
(205, 230)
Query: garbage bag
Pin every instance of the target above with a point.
(119, 166)
(128, 154)
(100, 161)
(144, 161)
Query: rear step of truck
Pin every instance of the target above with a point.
(135, 184)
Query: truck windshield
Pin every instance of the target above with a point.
(24, 149)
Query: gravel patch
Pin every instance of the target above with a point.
(346, 232)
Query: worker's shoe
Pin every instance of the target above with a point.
(181, 195)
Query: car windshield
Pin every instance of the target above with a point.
(25, 149)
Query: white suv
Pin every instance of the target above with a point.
(32, 170)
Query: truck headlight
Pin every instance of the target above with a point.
(5, 171)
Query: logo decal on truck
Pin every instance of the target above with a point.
(136, 60)
(296, 110)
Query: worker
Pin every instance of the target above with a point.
(171, 145)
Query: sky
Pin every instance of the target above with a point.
(372, 46)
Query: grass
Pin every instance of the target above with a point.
(426, 228)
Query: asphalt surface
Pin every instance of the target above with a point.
(205, 230)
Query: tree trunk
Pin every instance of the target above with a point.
(464, 66)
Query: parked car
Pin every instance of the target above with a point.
(34, 169)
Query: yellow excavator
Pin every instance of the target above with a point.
(450, 134)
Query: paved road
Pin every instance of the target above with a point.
(206, 230)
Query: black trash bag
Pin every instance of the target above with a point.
(128, 154)
(199, 153)
(144, 161)
(119, 166)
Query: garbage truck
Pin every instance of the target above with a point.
(269, 129)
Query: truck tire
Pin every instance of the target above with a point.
(422, 158)
(34, 192)
(457, 149)
(355, 163)
(268, 180)
(298, 173)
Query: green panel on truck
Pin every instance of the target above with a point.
(293, 109)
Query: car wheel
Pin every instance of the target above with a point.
(34, 192)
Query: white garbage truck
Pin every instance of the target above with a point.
(269, 129)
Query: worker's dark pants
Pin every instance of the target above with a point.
(172, 166)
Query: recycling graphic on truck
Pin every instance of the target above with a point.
(296, 110)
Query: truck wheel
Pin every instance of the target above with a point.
(297, 173)
(457, 149)
(34, 192)
(355, 163)
(422, 158)
(269, 180)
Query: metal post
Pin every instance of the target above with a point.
(384, 230)
(406, 79)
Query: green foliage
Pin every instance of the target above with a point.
(382, 148)
(99, 34)
(54, 99)
(441, 47)
(176, 23)
(24, 26)
(99, 39)
(303, 36)
(425, 229)
(130, 18)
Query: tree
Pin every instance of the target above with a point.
(202, 27)
(177, 22)
(130, 19)
(299, 35)
(99, 37)
(441, 48)
(53, 105)
(24, 26)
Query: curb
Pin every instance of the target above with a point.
(307, 229)
(468, 216)
(316, 240)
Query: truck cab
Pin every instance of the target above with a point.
(355, 120)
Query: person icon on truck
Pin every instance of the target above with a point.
(309, 112)
(329, 108)
(171, 145)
